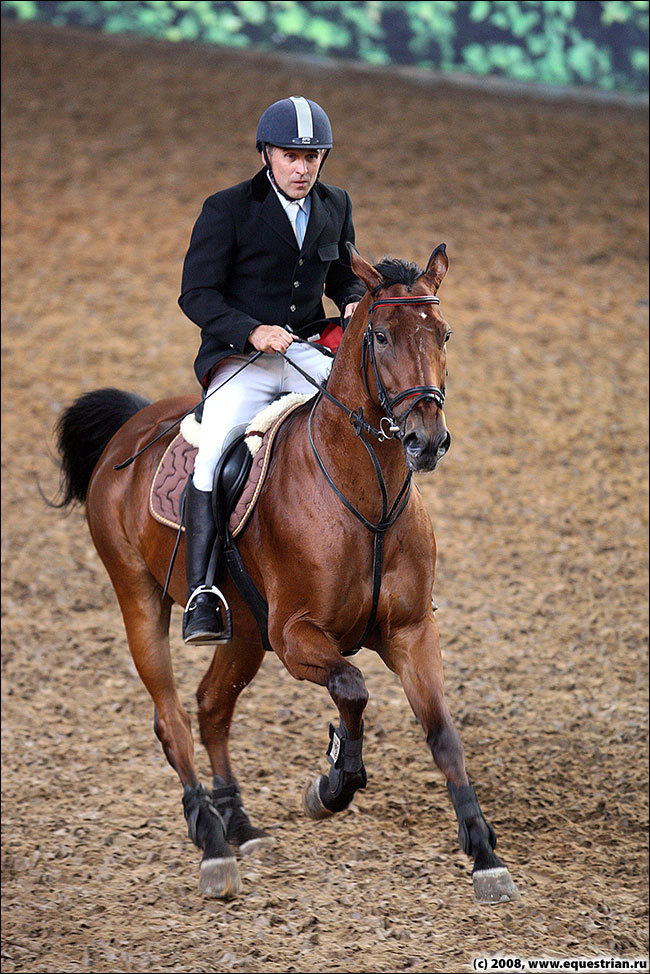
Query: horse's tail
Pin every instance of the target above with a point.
(83, 432)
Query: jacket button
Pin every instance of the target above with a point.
(292, 308)
(296, 283)
(301, 262)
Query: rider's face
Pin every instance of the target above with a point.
(295, 170)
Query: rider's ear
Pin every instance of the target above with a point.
(437, 266)
(365, 271)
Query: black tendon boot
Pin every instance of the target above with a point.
(207, 616)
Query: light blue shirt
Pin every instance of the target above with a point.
(298, 213)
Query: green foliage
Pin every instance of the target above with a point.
(554, 41)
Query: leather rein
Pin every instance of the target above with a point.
(389, 515)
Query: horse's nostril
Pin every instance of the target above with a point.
(413, 445)
(442, 443)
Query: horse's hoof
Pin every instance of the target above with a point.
(220, 878)
(494, 886)
(311, 801)
(253, 846)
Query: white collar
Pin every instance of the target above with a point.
(302, 203)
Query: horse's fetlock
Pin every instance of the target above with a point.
(475, 835)
(347, 772)
(204, 823)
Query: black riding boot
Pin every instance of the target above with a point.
(207, 616)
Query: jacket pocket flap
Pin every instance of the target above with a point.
(329, 251)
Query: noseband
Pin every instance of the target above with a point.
(417, 393)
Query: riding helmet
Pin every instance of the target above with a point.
(294, 123)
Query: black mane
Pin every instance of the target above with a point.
(399, 271)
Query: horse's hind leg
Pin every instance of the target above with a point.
(146, 620)
(415, 656)
(233, 667)
(308, 654)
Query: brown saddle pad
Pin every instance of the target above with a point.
(177, 464)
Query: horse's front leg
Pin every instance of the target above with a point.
(414, 654)
(309, 654)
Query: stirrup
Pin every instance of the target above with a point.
(224, 610)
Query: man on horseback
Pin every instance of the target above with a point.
(260, 256)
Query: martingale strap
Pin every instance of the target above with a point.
(388, 429)
(387, 519)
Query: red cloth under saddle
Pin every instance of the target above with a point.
(331, 337)
(177, 464)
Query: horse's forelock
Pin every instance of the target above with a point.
(395, 271)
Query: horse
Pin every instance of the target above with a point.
(337, 503)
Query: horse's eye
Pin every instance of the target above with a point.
(447, 336)
(381, 338)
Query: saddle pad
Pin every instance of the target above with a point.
(177, 464)
(168, 484)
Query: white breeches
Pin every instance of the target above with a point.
(246, 395)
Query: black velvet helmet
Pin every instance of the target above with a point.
(294, 123)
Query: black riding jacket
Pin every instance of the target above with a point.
(244, 267)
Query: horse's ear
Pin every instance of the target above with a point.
(365, 271)
(437, 266)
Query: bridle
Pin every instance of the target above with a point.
(417, 393)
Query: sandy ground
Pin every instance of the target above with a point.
(540, 509)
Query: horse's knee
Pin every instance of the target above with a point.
(347, 688)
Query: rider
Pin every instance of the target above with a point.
(260, 255)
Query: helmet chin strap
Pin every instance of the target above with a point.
(269, 169)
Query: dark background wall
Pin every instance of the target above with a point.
(557, 42)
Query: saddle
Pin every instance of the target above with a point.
(239, 475)
(238, 480)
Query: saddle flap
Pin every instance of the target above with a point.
(230, 477)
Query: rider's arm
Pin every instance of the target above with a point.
(208, 264)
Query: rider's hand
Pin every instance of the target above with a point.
(349, 311)
(270, 338)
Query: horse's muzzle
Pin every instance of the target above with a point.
(422, 451)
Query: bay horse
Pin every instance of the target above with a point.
(338, 507)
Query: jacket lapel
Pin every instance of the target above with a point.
(271, 210)
(318, 218)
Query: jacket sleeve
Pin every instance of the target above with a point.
(208, 263)
(341, 284)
